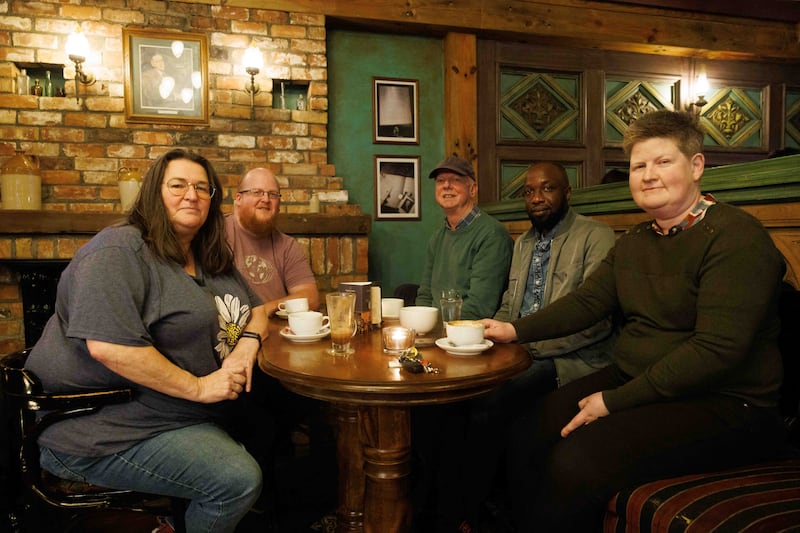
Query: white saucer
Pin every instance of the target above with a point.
(469, 349)
(281, 314)
(287, 333)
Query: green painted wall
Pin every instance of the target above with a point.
(396, 248)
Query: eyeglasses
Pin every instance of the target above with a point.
(179, 187)
(259, 193)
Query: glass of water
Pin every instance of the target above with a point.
(450, 304)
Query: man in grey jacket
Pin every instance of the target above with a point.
(550, 260)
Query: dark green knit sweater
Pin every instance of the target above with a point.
(700, 309)
(475, 260)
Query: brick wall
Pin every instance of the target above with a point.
(333, 259)
(82, 144)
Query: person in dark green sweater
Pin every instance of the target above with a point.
(693, 384)
(470, 252)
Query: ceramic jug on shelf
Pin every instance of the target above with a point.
(21, 183)
(129, 181)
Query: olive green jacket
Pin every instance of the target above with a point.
(579, 246)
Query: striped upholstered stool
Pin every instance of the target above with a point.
(763, 497)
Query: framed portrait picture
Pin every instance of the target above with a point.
(397, 188)
(166, 76)
(395, 109)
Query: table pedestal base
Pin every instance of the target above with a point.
(374, 450)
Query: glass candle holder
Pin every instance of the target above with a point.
(397, 339)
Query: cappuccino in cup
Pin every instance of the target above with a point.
(465, 332)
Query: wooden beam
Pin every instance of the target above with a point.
(573, 23)
(461, 96)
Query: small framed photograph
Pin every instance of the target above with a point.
(166, 76)
(397, 188)
(395, 108)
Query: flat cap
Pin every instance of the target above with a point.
(455, 164)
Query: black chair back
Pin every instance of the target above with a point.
(408, 292)
(32, 410)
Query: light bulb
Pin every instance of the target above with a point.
(77, 45)
(701, 85)
(253, 59)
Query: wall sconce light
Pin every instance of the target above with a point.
(700, 90)
(77, 49)
(253, 62)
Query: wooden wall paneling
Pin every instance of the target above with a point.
(757, 81)
(594, 113)
(488, 113)
(774, 77)
(777, 121)
(742, 98)
(461, 96)
(494, 57)
(580, 24)
(790, 115)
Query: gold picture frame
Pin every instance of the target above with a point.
(166, 76)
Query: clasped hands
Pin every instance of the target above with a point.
(233, 377)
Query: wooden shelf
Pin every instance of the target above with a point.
(56, 223)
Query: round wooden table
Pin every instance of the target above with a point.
(372, 403)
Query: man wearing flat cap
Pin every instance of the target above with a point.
(471, 251)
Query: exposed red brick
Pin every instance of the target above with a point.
(292, 32)
(82, 142)
(9, 291)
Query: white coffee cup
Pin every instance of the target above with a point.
(464, 332)
(295, 305)
(390, 307)
(420, 318)
(307, 322)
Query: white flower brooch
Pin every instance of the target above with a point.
(233, 316)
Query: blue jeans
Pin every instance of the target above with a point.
(201, 463)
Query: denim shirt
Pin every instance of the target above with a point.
(537, 274)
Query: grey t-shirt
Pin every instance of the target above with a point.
(116, 291)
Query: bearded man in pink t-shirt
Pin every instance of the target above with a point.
(273, 263)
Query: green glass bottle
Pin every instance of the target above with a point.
(48, 85)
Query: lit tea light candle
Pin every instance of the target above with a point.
(397, 339)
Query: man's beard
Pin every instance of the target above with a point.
(549, 222)
(255, 225)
